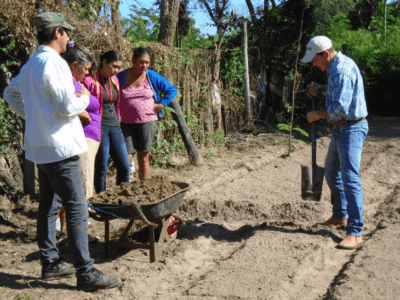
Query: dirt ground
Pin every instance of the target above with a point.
(249, 234)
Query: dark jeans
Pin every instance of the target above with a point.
(64, 179)
(112, 143)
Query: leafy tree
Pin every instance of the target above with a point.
(218, 11)
(377, 54)
(375, 50)
(195, 40)
(143, 24)
(325, 11)
(86, 9)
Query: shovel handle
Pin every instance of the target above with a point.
(314, 145)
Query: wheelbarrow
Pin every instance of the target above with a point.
(152, 214)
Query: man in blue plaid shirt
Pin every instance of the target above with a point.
(346, 109)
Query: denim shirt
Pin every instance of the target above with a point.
(345, 97)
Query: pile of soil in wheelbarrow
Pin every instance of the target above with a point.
(141, 191)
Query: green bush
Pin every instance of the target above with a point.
(377, 54)
(9, 133)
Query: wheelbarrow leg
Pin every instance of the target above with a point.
(107, 238)
(162, 227)
(152, 244)
(121, 239)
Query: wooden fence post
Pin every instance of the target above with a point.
(29, 168)
(246, 68)
(187, 138)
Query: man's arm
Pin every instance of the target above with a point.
(58, 80)
(13, 96)
(315, 90)
(339, 102)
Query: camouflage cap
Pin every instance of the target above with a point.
(50, 19)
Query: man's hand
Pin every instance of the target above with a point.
(316, 89)
(314, 115)
(157, 108)
(84, 117)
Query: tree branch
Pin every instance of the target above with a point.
(209, 11)
(251, 8)
(224, 5)
(223, 32)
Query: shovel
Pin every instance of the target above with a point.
(312, 177)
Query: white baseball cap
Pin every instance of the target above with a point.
(316, 45)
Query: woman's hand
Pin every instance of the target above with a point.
(84, 91)
(84, 117)
(158, 107)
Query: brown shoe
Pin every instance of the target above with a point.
(334, 222)
(351, 242)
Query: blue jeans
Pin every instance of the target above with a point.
(342, 172)
(113, 143)
(64, 179)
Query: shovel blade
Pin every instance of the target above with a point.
(318, 182)
(312, 179)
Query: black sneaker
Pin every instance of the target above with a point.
(56, 270)
(96, 280)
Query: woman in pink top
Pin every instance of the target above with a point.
(141, 105)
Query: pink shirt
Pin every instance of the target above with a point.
(137, 104)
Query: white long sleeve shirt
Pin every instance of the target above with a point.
(44, 95)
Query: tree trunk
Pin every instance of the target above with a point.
(194, 156)
(360, 17)
(217, 65)
(385, 20)
(184, 130)
(15, 166)
(209, 123)
(115, 15)
(374, 7)
(168, 21)
(266, 11)
(5, 79)
(7, 177)
(216, 103)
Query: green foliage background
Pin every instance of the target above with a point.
(376, 53)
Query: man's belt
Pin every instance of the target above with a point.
(342, 122)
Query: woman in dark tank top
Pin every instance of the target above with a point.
(104, 85)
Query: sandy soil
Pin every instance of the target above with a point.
(249, 234)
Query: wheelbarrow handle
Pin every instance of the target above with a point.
(137, 210)
(181, 219)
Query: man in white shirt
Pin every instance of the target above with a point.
(44, 95)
